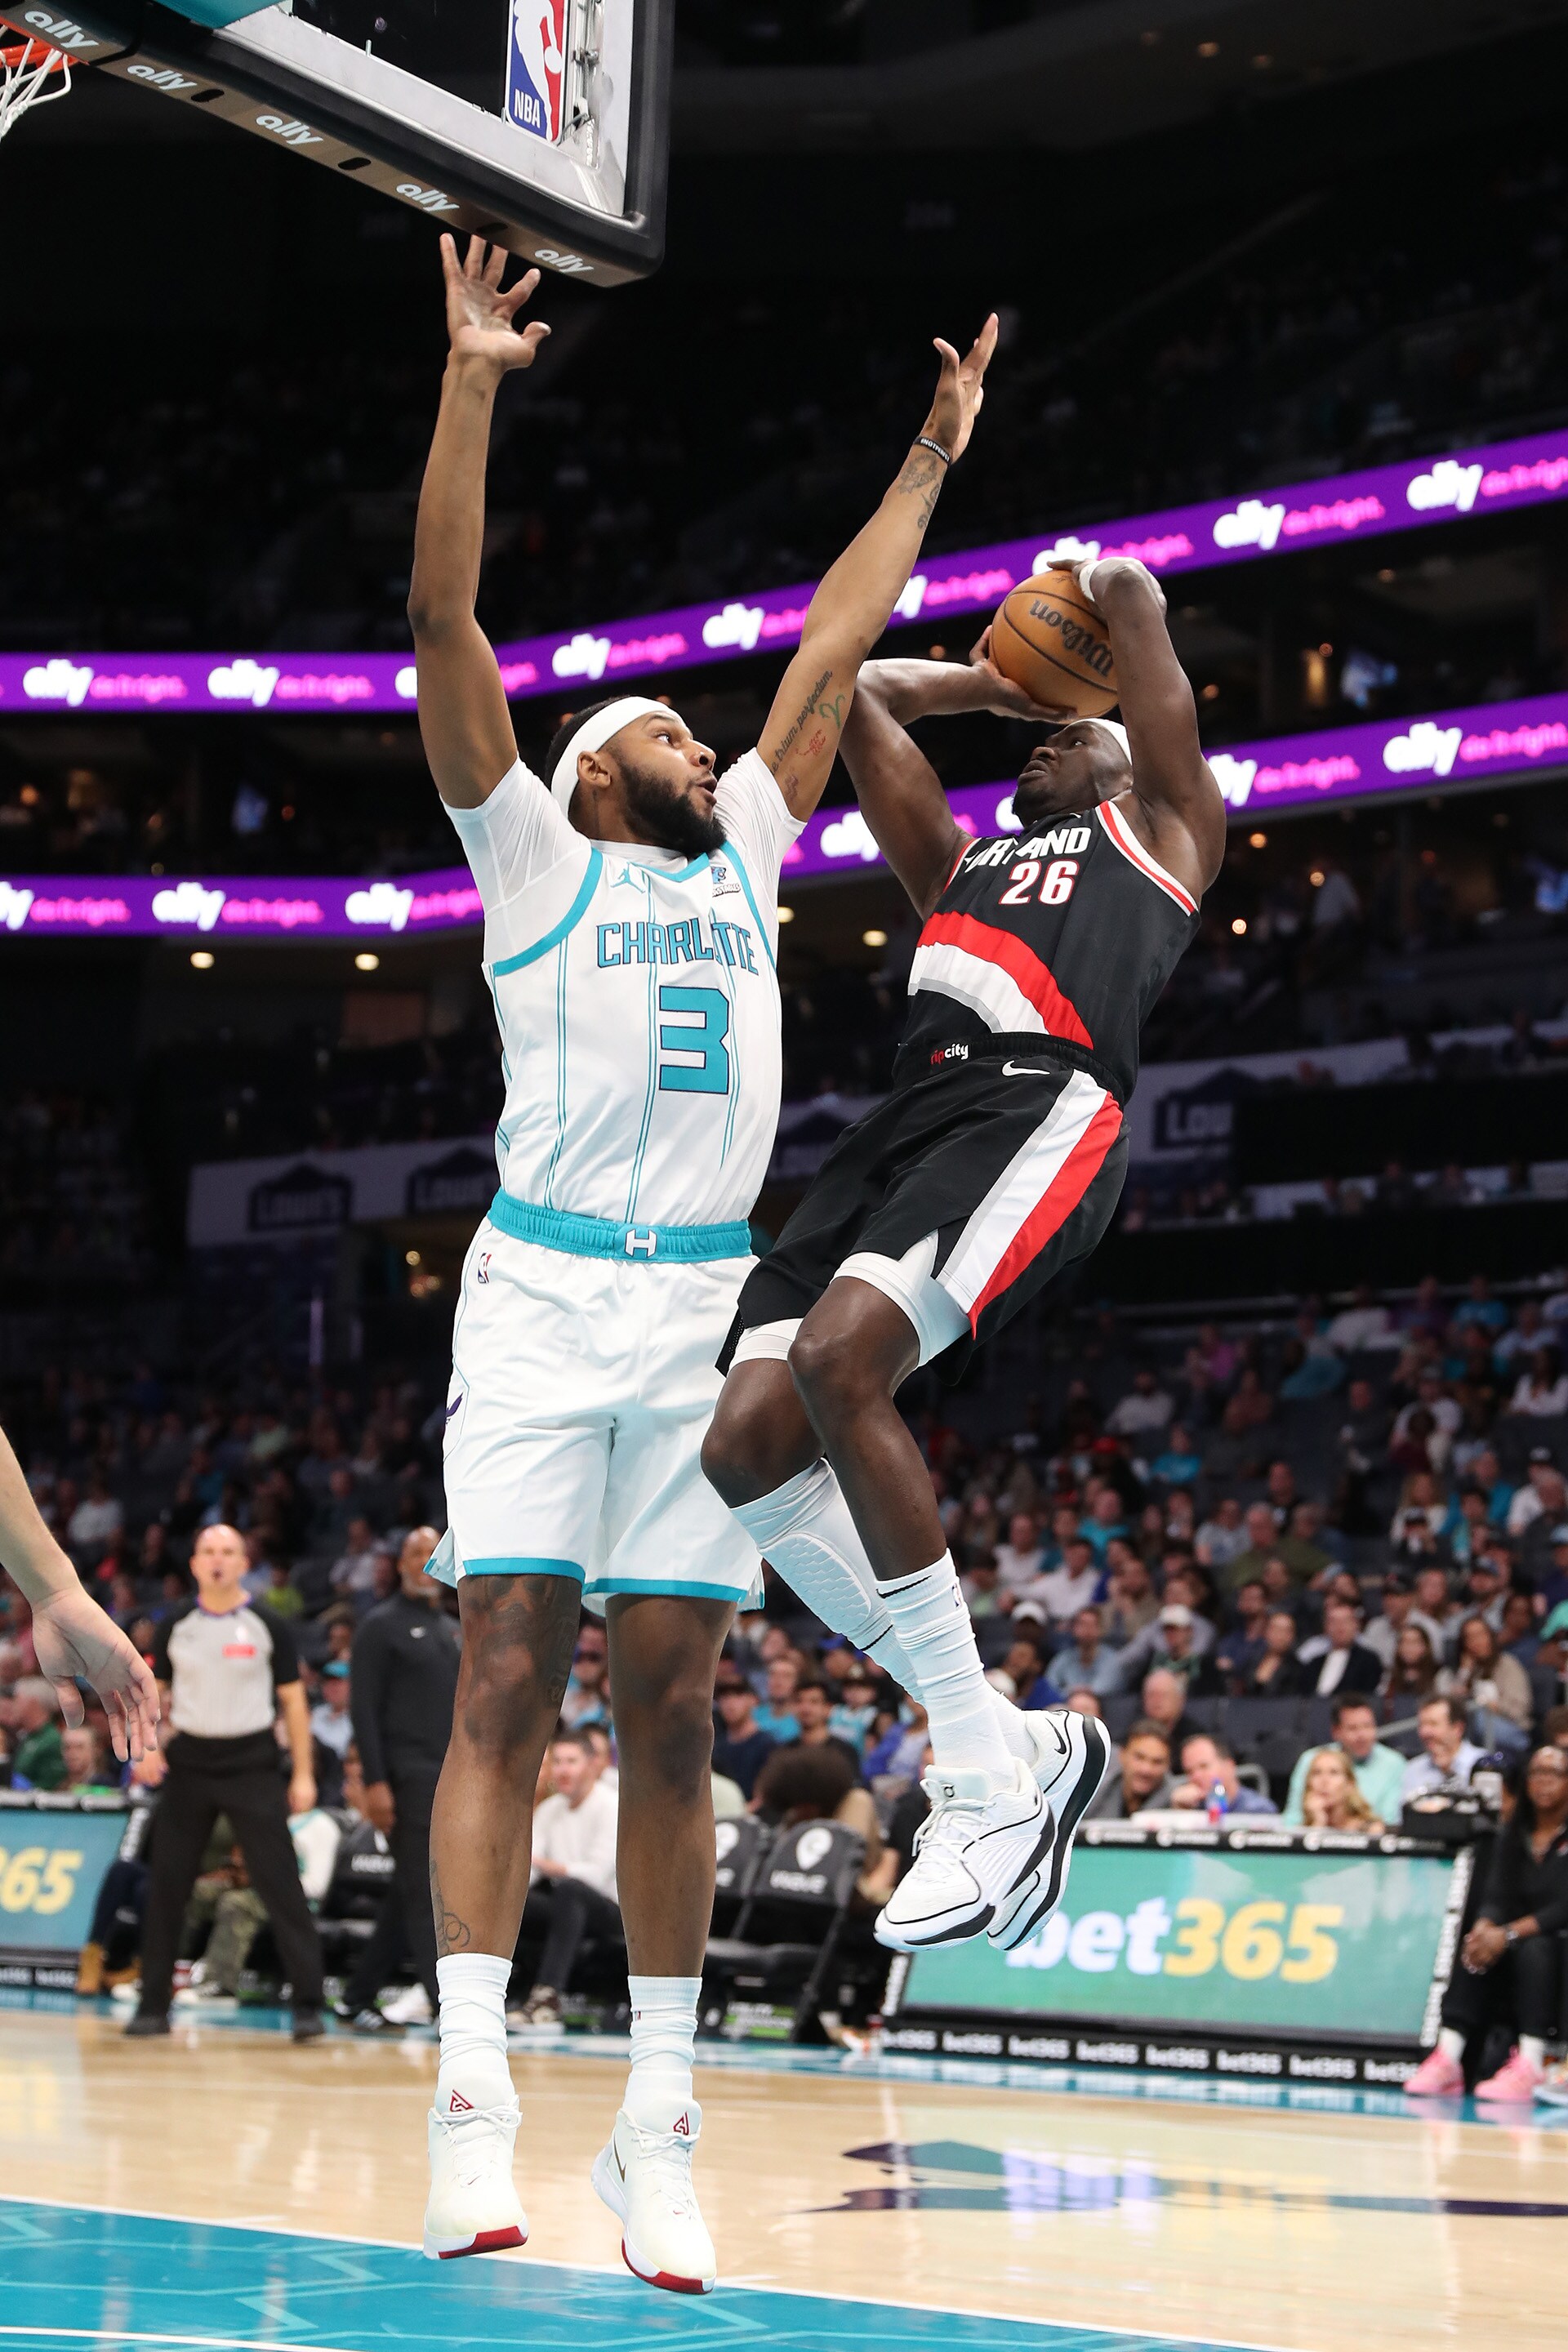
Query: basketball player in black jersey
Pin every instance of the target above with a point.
(995, 1162)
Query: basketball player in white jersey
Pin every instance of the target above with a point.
(631, 916)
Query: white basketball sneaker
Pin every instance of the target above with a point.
(1071, 1753)
(473, 2207)
(978, 1847)
(644, 2176)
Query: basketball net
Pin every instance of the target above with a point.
(30, 75)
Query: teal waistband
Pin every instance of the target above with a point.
(601, 1237)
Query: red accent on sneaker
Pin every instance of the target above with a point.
(662, 2278)
(487, 2242)
(457, 2105)
(682, 2124)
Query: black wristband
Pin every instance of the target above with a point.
(924, 441)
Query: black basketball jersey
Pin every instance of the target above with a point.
(1068, 930)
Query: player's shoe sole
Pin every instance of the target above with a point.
(483, 2242)
(1074, 1756)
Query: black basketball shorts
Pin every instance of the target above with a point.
(962, 1195)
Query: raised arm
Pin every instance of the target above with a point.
(854, 603)
(463, 715)
(1177, 807)
(899, 793)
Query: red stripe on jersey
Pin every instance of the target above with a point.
(1056, 1204)
(1022, 966)
(1132, 849)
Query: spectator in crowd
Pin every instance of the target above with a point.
(1332, 1798)
(799, 1784)
(37, 1760)
(1379, 1770)
(586, 1698)
(227, 1669)
(742, 1749)
(1144, 1410)
(1413, 1677)
(1363, 1324)
(1542, 1495)
(332, 1728)
(1177, 1654)
(896, 1758)
(82, 1759)
(1398, 1595)
(1240, 1648)
(1163, 1699)
(1209, 1778)
(1436, 1611)
(572, 1888)
(854, 1716)
(1511, 1963)
(1225, 1535)
(1493, 1687)
(1024, 1666)
(1138, 1777)
(1337, 1660)
(776, 1715)
(812, 1716)
(1277, 1672)
(1449, 1757)
(358, 1565)
(404, 1685)
(1541, 1392)
(1086, 1661)
(96, 1525)
(1073, 1585)
(1132, 1604)
(1179, 1464)
(1021, 1560)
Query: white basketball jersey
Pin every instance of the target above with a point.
(638, 1001)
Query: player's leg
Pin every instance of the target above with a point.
(519, 1632)
(765, 1459)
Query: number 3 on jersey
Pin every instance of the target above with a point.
(1055, 891)
(706, 1036)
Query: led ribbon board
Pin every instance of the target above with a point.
(1489, 480)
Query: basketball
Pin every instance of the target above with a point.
(1048, 639)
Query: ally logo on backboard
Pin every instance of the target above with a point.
(536, 67)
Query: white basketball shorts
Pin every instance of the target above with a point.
(582, 1390)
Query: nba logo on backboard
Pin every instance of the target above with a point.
(536, 67)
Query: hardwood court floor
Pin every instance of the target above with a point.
(1339, 2222)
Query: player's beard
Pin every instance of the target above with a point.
(674, 821)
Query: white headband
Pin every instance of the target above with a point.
(594, 734)
(1117, 732)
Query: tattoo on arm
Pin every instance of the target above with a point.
(923, 479)
(819, 705)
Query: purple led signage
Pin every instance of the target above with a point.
(1494, 739)
(1183, 539)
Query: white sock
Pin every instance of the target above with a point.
(804, 1529)
(474, 2071)
(937, 1637)
(664, 2038)
(1532, 2050)
(1451, 2042)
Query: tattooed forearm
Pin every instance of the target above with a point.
(452, 1934)
(826, 710)
(923, 479)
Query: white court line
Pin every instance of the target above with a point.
(748, 2286)
(195, 2343)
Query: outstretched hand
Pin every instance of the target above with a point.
(482, 319)
(1003, 695)
(72, 1636)
(960, 388)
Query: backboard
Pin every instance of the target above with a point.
(541, 124)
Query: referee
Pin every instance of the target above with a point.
(226, 1665)
(403, 1680)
